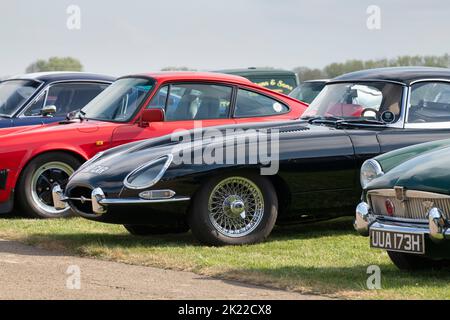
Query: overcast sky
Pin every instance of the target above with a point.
(121, 37)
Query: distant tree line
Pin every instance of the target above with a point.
(305, 73)
(55, 64)
(336, 69)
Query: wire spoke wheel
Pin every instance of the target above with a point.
(42, 183)
(236, 207)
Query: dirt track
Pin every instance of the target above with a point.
(31, 273)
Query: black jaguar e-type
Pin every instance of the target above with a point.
(147, 188)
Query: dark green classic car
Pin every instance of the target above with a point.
(406, 205)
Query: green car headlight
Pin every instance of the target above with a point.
(370, 170)
(148, 174)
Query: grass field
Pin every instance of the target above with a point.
(325, 258)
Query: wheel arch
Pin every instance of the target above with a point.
(81, 156)
(282, 189)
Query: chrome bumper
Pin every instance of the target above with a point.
(437, 228)
(100, 203)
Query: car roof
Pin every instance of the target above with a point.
(194, 75)
(316, 80)
(63, 76)
(256, 71)
(404, 75)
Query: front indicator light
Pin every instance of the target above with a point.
(157, 194)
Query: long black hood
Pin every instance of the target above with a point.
(295, 139)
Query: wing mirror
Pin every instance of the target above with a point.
(151, 115)
(48, 111)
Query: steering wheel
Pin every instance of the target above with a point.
(370, 113)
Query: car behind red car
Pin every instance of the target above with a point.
(33, 159)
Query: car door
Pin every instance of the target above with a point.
(65, 96)
(427, 117)
(252, 106)
(186, 106)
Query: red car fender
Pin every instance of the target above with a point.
(52, 147)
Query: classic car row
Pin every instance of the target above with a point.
(356, 117)
(133, 108)
(321, 148)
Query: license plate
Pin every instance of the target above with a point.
(398, 241)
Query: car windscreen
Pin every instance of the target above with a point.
(120, 101)
(380, 100)
(14, 94)
(307, 91)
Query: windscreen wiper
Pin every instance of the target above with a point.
(360, 122)
(324, 119)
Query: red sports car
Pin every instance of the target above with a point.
(136, 107)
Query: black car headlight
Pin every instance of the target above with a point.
(370, 170)
(148, 174)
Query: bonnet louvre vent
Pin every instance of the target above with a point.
(293, 129)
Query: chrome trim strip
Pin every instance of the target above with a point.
(141, 201)
(399, 219)
(405, 228)
(429, 80)
(366, 80)
(408, 194)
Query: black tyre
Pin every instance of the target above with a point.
(411, 262)
(234, 210)
(34, 190)
(142, 231)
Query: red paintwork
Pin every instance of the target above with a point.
(20, 145)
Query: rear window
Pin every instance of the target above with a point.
(252, 104)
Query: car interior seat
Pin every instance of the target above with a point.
(208, 109)
(181, 112)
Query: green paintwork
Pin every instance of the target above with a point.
(392, 159)
(275, 79)
(425, 167)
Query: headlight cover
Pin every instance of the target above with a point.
(370, 170)
(148, 174)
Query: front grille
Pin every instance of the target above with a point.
(413, 205)
(75, 196)
(3, 178)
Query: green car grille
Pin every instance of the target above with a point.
(410, 204)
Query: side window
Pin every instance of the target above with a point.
(194, 101)
(160, 99)
(430, 102)
(35, 108)
(67, 97)
(252, 104)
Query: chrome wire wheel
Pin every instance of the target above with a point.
(42, 183)
(236, 207)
